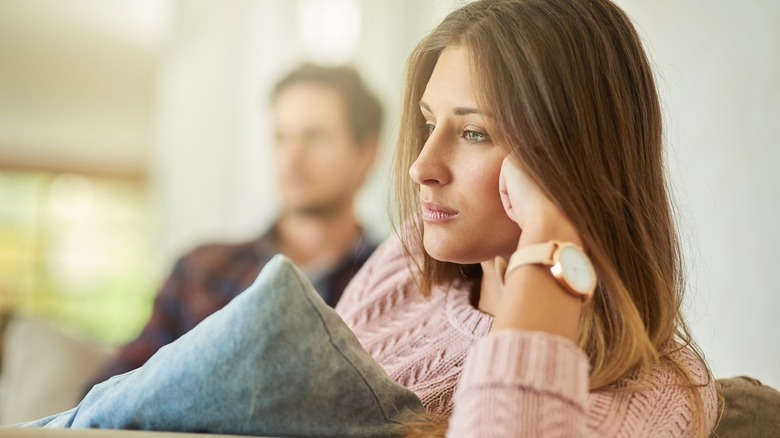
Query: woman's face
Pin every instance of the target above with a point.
(458, 168)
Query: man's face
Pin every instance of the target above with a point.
(319, 166)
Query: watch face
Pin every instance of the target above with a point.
(577, 269)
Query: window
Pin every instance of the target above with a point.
(77, 250)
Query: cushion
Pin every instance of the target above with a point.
(750, 409)
(44, 370)
(275, 361)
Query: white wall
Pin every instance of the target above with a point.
(718, 68)
(208, 171)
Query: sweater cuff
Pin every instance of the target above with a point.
(534, 361)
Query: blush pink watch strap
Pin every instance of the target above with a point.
(540, 253)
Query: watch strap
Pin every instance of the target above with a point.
(540, 253)
(544, 254)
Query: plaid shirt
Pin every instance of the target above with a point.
(205, 280)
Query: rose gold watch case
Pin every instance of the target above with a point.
(556, 268)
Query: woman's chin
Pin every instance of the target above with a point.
(446, 253)
(437, 251)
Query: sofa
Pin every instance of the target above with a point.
(44, 370)
(271, 362)
(93, 433)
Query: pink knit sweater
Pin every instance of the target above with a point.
(509, 383)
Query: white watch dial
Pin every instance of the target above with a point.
(576, 269)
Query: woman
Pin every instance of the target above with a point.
(533, 128)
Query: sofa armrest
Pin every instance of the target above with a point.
(44, 370)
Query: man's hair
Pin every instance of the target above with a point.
(364, 111)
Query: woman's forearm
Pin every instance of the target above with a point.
(532, 299)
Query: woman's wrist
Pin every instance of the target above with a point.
(552, 225)
(532, 299)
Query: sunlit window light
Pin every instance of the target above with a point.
(329, 29)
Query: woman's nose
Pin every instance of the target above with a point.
(430, 167)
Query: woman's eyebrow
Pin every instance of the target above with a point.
(458, 111)
(463, 111)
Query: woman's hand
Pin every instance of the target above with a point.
(532, 299)
(520, 194)
(536, 214)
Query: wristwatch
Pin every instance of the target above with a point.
(568, 263)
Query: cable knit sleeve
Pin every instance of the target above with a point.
(532, 384)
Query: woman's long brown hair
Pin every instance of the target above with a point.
(574, 100)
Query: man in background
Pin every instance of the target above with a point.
(326, 128)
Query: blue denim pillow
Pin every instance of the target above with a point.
(275, 361)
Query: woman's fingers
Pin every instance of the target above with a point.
(521, 195)
(503, 192)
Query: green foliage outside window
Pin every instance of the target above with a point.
(77, 251)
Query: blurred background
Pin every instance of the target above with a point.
(133, 130)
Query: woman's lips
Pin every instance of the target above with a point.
(434, 213)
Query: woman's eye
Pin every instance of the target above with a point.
(428, 130)
(475, 136)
